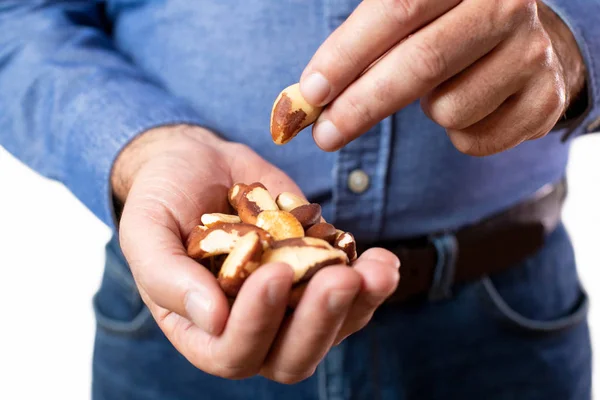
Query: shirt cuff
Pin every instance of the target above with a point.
(104, 121)
(581, 16)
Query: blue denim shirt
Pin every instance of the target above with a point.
(79, 79)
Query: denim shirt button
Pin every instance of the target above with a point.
(358, 181)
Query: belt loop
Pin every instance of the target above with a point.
(446, 247)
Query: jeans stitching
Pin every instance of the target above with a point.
(538, 326)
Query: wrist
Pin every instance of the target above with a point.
(568, 53)
(149, 145)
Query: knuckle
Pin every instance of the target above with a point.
(517, 10)
(427, 63)
(530, 131)
(228, 367)
(383, 90)
(554, 102)
(402, 11)
(444, 110)
(345, 54)
(551, 105)
(539, 51)
(359, 113)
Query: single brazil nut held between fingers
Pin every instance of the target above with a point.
(254, 199)
(221, 239)
(290, 114)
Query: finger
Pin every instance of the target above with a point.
(528, 115)
(479, 90)
(379, 270)
(372, 29)
(306, 337)
(255, 318)
(411, 70)
(253, 323)
(151, 243)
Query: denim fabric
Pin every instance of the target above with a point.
(80, 78)
(518, 335)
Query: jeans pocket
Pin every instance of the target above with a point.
(543, 294)
(118, 306)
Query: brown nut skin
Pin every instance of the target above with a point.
(287, 201)
(255, 199)
(301, 242)
(235, 193)
(307, 214)
(240, 263)
(324, 231)
(290, 114)
(214, 219)
(304, 260)
(280, 224)
(197, 231)
(345, 241)
(221, 239)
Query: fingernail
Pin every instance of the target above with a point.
(199, 307)
(276, 291)
(315, 89)
(339, 300)
(327, 136)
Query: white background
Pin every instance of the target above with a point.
(51, 259)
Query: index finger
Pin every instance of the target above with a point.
(370, 31)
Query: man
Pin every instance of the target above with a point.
(443, 144)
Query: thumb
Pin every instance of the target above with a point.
(151, 242)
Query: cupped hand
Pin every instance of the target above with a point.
(493, 73)
(168, 178)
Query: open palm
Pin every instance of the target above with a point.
(189, 175)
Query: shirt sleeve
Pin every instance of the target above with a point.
(69, 101)
(583, 19)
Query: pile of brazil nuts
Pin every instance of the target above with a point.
(264, 229)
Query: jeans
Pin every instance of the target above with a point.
(519, 334)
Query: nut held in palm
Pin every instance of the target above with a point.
(285, 228)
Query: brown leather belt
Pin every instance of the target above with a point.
(489, 246)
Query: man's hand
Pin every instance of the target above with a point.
(493, 73)
(168, 178)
